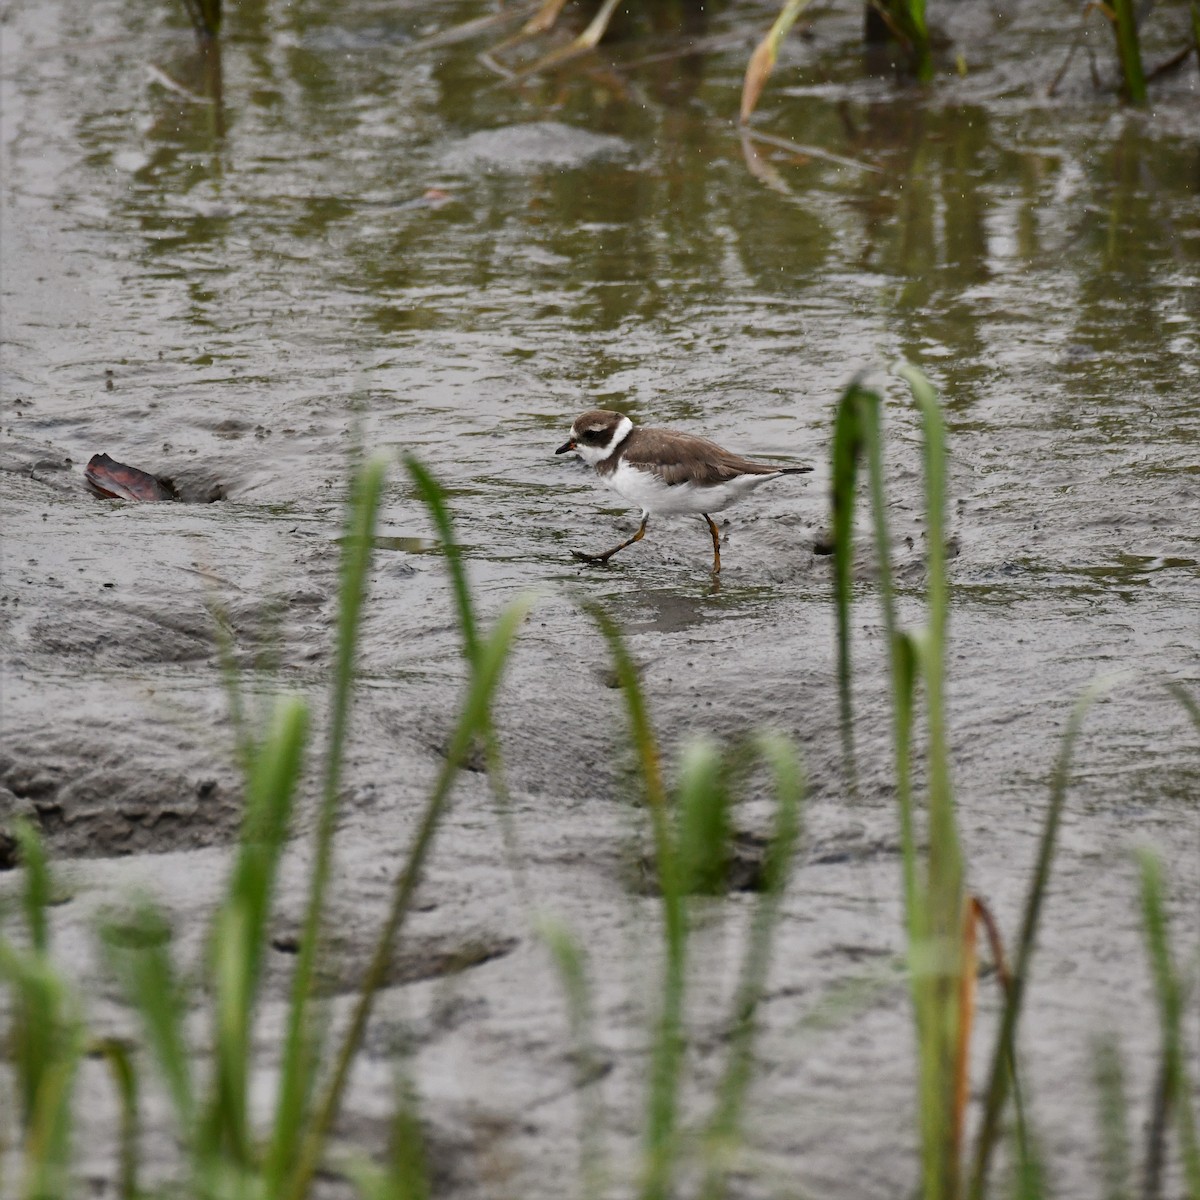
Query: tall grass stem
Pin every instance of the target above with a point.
(299, 1051)
(1004, 1050)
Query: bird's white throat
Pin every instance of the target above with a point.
(592, 455)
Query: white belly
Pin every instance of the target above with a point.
(646, 490)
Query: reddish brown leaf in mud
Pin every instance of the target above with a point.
(122, 482)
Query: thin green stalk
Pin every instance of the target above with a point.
(1112, 1107)
(35, 896)
(472, 720)
(902, 655)
(1029, 1171)
(1004, 1051)
(570, 960)
(45, 1033)
(1177, 1088)
(858, 430)
(138, 950)
(723, 1127)
(239, 934)
(944, 872)
(1129, 51)
(434, 500)
(33, 1034)
(906, 21)
(205, 16)
(124, 1073)
(933, 904)
(47, 1150)
(406, 1176)
(702, 822)
(847, 447)
(296, 1076)
(669, 1042)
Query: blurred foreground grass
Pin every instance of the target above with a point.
(225, 1155)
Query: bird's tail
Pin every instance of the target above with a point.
(794, 470)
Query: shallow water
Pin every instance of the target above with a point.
(374, 242)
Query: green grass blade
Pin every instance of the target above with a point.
(905, 20)
(35, 895)
(45, 1036)
(45, 1045)
(723, 1130)
(33, 1033)
(845, 453)
(1129, 50)
(473, 720)
(570, 961)
(240, 930)
(703, 830)
(938, 978)
(434, 499)
(904, 707)
(1168, 989)
(409, 1168)
(205, 17)
(858, 431)
(138, 950)
(644, 742)
(902, 650)
(120, 1063)
(299, 1051)
(433, 496)
(1004, 1051)
(945, 859)
(1029, 1170)
(406, 1176)
(47, 1149)
(1112, 1107)
(667, 1053)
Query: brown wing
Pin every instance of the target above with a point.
(682, 457)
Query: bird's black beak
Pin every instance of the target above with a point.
(569, 444)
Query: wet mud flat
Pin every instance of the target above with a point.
(240, 314)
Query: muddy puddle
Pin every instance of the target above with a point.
(374, 242)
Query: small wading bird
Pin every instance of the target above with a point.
(665, 472)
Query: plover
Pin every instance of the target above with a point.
(665, 472)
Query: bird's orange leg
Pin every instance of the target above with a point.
(603, 558)
(716, 537)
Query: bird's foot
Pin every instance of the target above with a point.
(594, 559)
